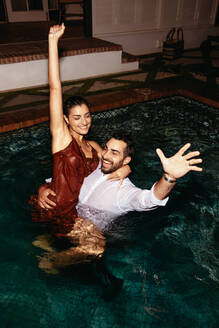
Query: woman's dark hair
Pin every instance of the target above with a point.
(72, 102)
(130, 149)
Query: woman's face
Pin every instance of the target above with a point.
(79, 119)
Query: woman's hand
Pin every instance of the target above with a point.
(56, 32)
(120, 174)
(179, 165)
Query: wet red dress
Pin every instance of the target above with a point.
(70, 167)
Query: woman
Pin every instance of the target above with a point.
(74, 158)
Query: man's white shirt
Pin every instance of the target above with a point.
(101, 200)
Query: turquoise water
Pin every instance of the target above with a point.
(169, 258)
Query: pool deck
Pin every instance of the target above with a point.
(193, 75)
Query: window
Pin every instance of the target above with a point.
(26, 5)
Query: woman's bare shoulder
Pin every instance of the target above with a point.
(96, 146)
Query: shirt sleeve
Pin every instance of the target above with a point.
(132, 198)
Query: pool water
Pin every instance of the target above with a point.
(168, 258)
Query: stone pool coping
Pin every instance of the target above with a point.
(22, 118)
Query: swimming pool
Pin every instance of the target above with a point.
(168, 258)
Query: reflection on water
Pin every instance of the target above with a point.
(168, 258)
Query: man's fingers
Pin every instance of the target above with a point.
(45, 205)
(195, 161)
(51, 192)
(192, 154)
(48, 207)
(41, 204)
(46, 201)
(184, 149)
(160, 154)
(196, 168)
(50, 202)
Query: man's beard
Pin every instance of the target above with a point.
(113, 168)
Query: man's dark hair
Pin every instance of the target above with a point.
(130, 149)
(72, 102)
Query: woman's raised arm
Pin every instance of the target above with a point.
(58, 127)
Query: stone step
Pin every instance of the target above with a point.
(24, 64)
(128, 58)
(28, 51)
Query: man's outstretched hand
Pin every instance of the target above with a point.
(43, 197)
(179, 164)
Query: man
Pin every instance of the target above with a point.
(100, 195)
(102, 200)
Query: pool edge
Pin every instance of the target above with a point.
(18, 119)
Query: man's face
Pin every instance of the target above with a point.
(113, 156)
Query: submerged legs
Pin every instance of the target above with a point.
(88, 244)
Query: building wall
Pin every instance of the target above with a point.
(71, 68)
(141, 26)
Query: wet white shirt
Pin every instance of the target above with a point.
(101, 200)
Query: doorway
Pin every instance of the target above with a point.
(27, 10)
(3, 17)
